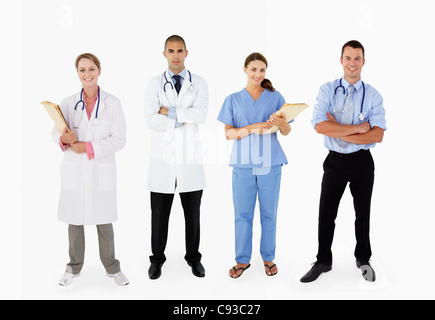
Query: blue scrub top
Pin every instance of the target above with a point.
(254, 151)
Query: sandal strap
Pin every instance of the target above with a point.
(243, 270)
(240, 268)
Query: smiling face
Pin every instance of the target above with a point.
(256, 72)
(175, 53)
(88, 72)
(352, 62)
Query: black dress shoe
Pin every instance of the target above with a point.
(197, 269)
(155, 271)
(367, 270)
(315, 272)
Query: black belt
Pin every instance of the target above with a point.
(343, 155)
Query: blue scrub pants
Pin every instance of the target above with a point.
(247, 183)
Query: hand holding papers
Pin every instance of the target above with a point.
(56, 114)
(291, 111)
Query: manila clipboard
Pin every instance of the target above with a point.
(56, 114)
(291, 111)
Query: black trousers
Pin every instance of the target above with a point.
(161, 205)
(339, 169)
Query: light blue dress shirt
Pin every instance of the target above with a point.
(172, 111)
(254, 151)
(373, 111)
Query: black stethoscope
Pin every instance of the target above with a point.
(361, 116)
(170, 82)
(77, 116)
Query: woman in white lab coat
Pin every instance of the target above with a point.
(88, 170)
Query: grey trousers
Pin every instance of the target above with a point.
(106, 240)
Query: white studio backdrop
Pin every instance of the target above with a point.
(302, 41)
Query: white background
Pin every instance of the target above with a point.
(302, 41)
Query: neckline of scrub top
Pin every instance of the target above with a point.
(253, 101)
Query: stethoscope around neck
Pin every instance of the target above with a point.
(78, 115)
(172, 86)
(361, 116)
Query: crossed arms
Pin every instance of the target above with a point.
(358, 134)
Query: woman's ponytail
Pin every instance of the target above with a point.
(267, 84)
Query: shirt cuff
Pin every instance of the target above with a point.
(172, 114)
(63, 146)
(90, 150)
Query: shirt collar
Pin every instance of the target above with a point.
(357, 85)
(182, 74)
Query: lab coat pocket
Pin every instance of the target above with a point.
(68, 175)
(107, 176)
(102, 129)
(188, 99)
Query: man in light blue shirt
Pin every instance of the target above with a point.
(350, 114)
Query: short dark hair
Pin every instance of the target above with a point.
(353, 44)
(175, 38)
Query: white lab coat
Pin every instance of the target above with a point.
(88, 187)
(176, 156)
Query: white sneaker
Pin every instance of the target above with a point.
(67, 279)
(120, 278)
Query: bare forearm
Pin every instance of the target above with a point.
(232, 133)
(285, 130)
(375, 135)
(336, 130)
(238, 133)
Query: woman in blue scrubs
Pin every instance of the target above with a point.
(257, 158)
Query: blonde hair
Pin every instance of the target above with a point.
(89, 56)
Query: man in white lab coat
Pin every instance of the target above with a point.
(175, 103)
